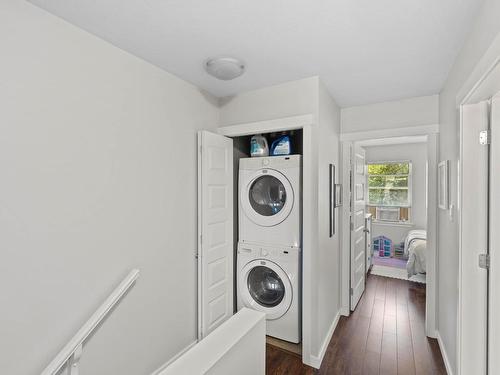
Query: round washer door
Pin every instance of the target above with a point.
(264, 286)
(268, 198)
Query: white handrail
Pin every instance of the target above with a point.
(72, 351)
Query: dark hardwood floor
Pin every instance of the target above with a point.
(385, 335)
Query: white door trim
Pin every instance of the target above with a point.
(345, 261)
(432, 157)
(306, 123)
(390, 133)
(494, 240)
(481, 72)
(432, 235)
(268, 126)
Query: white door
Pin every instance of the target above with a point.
(494, 248)
(474, 241)
(358, 248)
(215, 230)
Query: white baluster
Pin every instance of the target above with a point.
(74, 361)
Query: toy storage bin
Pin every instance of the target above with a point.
(383, 245)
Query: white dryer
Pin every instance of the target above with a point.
(268, 280)
(270, 200)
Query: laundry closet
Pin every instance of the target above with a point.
(267, 202)
(264, 194)
(305, 111)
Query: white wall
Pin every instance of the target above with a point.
(327, 272)
(417, 111)
(485, 29)
(417, 154)
(284, 100)
(98, 161)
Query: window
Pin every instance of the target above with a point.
(389, 191)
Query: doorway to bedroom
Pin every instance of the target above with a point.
(390, 222)
(396, 206)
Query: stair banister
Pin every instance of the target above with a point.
(71, 353)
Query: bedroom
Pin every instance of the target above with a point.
(396, 182)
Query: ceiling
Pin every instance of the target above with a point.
(365, 51)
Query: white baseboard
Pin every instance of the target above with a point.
(175, 357)
(444, 354)
(316, 360)
(345, 311)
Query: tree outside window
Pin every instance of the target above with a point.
(389, 186)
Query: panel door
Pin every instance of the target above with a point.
(215, 227)
(494, 251)
(474, 238)
(358, 248)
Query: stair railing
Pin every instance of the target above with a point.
(71, 353)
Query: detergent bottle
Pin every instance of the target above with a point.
(258, 146)
(281, 145)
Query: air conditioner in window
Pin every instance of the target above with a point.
(388, 214)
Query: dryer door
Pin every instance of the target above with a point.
(264, 286)
(268, 198)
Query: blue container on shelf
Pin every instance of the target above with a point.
(281, 146)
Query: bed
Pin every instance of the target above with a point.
(415, 249)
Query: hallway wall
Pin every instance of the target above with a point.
(98, 161)
(422, 110)
(484, 31)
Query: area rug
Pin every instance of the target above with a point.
(396, 273)
(388, 261)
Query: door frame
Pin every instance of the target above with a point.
(432, 133)
(481, 85)
(306, 123)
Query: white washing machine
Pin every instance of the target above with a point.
(270, 200)
(268, 280)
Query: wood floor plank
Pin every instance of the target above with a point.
(384, 336)
(381, 287)
(389, 355)
(421, 349)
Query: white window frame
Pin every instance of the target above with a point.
(410, 193)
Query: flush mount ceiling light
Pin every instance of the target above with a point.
(225, 68)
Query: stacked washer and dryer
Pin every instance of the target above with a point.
(269, 253)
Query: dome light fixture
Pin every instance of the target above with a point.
(225, 68)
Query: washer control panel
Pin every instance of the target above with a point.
(267, 252)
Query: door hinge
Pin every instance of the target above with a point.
(352, 225)
(485, 137)
(351, 291)
(484, 261)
